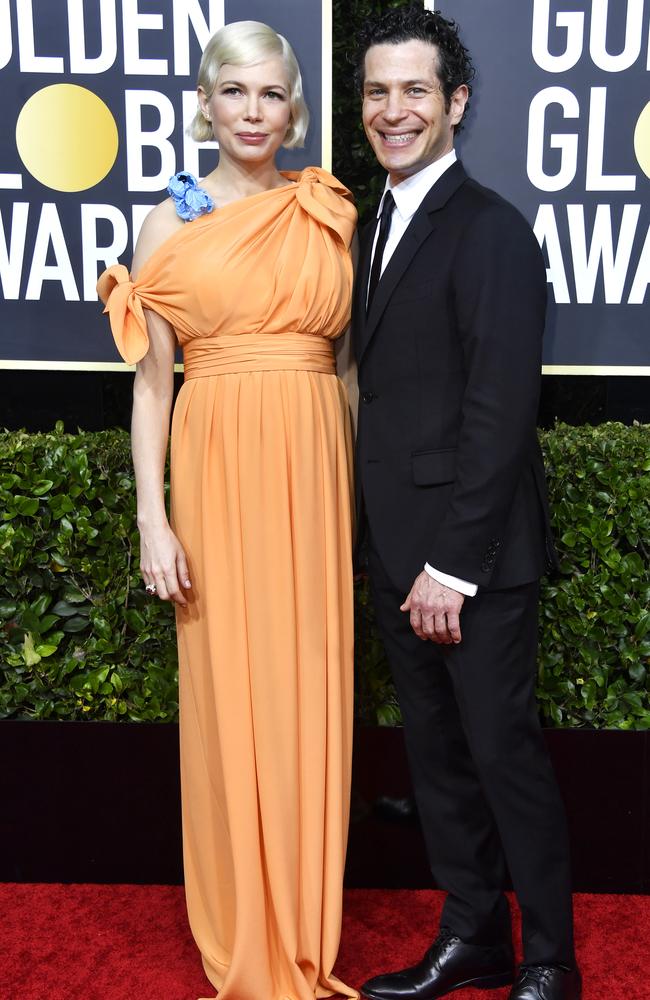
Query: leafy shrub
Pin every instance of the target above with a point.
(80, 639)
(595, 616)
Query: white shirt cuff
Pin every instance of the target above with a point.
(462, 586)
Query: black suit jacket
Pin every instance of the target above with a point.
(449, 469)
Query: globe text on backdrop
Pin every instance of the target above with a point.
(642, 140)
(67, 137)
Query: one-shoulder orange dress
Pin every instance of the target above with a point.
(260, 475)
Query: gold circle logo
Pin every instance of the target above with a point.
(67, 137)
(642, 140)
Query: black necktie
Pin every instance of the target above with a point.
(384, 229)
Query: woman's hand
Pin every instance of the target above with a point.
(163, 564)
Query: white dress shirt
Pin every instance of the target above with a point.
(409, 195)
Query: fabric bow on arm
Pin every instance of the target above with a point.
(124, 307)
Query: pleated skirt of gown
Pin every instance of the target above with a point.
(261, 503)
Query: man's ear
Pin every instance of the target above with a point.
(457, 104)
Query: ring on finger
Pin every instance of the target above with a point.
(151, 589)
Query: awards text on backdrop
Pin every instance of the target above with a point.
(562, 130)
(612, 241)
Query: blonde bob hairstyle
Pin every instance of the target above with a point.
(244, 43)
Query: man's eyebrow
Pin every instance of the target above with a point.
(403, 83)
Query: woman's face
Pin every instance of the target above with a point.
(249, 109)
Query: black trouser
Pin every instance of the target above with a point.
(483, 782)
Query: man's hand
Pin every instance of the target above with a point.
(434, 610)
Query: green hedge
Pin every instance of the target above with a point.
(595, 621)
(80, 639)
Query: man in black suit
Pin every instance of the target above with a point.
(448, 322)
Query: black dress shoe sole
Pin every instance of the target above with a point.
(483, 983)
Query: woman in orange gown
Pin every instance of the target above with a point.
(256, 288)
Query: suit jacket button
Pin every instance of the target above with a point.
(367, 397)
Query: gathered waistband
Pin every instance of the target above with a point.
(268, 352)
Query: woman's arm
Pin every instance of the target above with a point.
(162, 560)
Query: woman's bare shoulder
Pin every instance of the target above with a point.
(161, 222)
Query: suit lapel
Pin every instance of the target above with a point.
(366, 238)
(420, 227)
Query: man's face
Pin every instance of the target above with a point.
(404, 107)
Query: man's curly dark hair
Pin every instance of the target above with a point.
(404, 24)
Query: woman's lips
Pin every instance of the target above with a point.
(252, 138)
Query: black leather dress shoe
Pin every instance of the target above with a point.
(546, 982)
(448, 965)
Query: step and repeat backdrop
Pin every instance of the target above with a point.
(96, 99)
(560, 125)
(96, 96)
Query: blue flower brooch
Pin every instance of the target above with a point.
(191, 200)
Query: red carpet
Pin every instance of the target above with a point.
(129, 942)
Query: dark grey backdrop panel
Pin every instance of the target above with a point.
(53, 329)
(495, 148)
